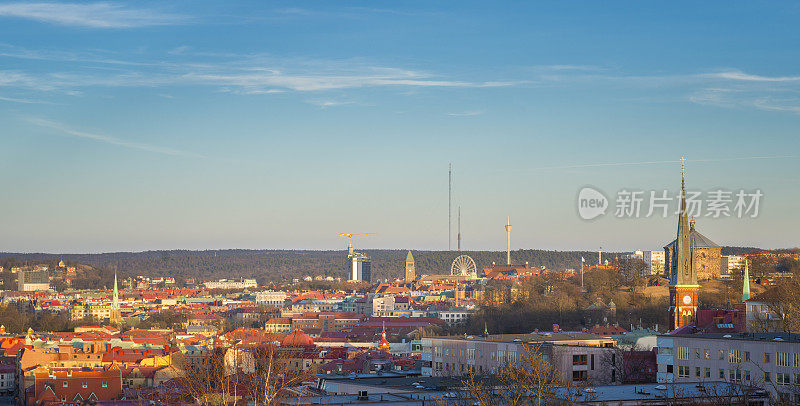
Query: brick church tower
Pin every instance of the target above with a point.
(683, 287)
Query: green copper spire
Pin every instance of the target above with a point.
(746, 282)
(115, 298)
(682, 272)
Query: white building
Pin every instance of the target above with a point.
(231, 284)
(270, 298)
(654, 261)
(730, 265)
(770, 361)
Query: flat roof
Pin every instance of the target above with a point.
(530, 337)
(761, 337)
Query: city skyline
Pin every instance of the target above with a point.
(131, 127)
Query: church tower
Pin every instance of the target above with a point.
(683, 287)
(411, 272)
(116, 315)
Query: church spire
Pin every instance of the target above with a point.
(115, 297)
(746, 282)
(682, 272)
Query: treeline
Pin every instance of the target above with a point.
(285, 265)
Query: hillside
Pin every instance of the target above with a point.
(283, 265)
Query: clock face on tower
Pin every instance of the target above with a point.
(687, 299)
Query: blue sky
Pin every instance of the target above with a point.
(156, 125)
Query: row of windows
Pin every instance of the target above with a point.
(783, 359)
(736, 375)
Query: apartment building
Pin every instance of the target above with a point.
(767, 360)
(578, 356)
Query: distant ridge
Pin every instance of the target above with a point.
(284, 265)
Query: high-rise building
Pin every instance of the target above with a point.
(654, 261)
(361, 269)
(411, 272)
(32, 281)
(683, 287)
(731, 264)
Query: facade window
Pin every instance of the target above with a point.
(734, 375)
(747, 356)
(783, 359)
(579, 375)
(706, 354)
(767, 358)
(683, 371)
(735, 356)
(697, 371)
(683, 353)
(669, 369)
(64, 384)
(721, 355)
(721, 373)
(767, 377)
(708, 373)
(696, 353)
(579, 359)
(797, 360)
(783, 379)
(747, 375)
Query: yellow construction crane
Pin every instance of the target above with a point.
(350, 240)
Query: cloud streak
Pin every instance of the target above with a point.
(105, 139)
(90, 15)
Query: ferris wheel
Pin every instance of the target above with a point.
(463, 265)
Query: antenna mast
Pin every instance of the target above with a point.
(449, 205)
(459, 228)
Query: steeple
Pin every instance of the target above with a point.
(746, 282)
(115, 297)
(682, 272)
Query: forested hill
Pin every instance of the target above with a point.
(277, 265)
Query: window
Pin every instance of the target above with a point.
(734, 375)
(735, 356)
(767, 377)
(683, 371)
(697, 371)
(767, 358)
(708, 373)
(721, 354)
(783, 379)
(579, 375)
(706, 354)
(696, 353)
(783, 359)
(721, 373)
(683, 353)
(65, 384)
(797, 360)
(579, 359)
(84, 384)
(669, 369)
(105, 384)
(747, 356)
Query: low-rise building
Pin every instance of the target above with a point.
(770, 361)
(577, 356)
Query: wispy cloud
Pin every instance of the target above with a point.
(470, 113)
(328, 103)
(90, 15)
(738, 75)
(105, 139)
(23, 101)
